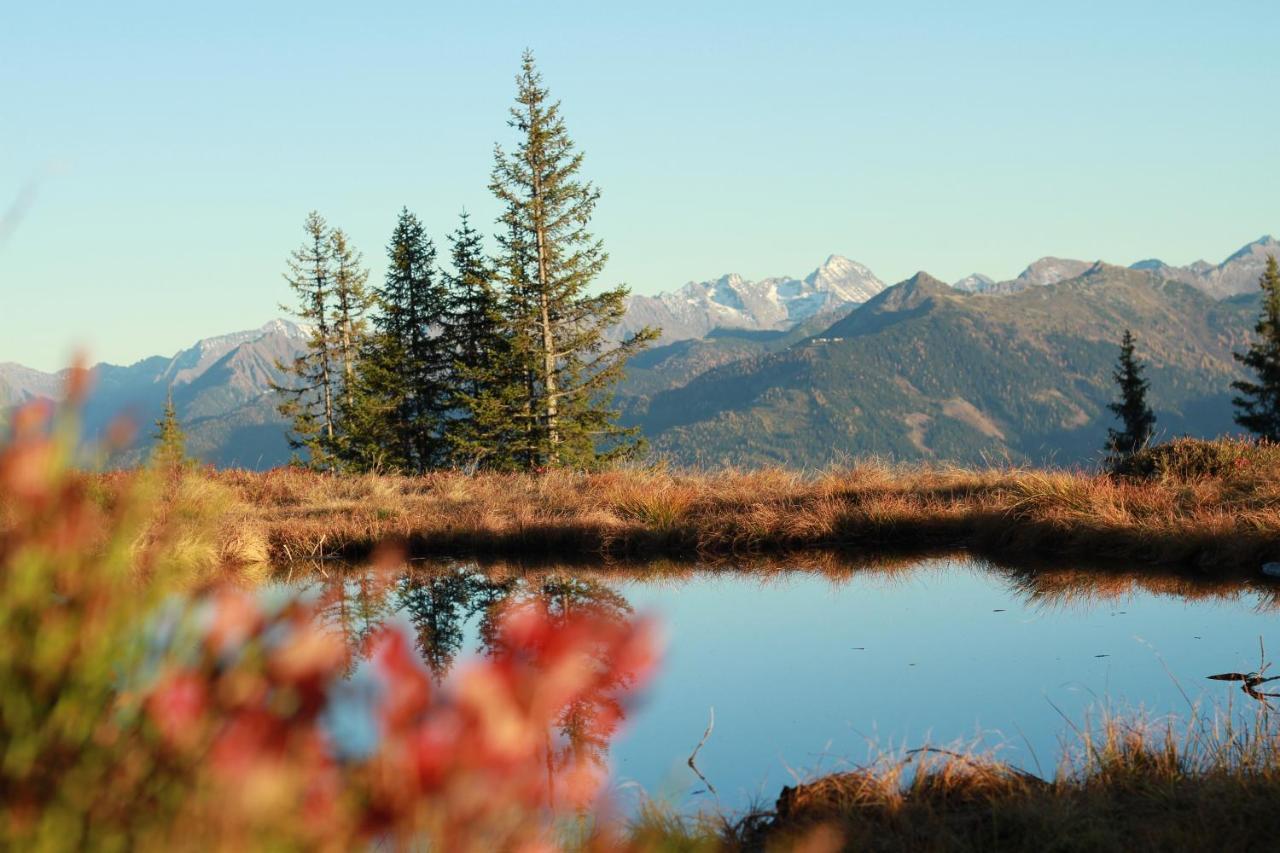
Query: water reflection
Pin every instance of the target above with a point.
(441, 603)
(809, 663)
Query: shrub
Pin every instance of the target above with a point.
(135, 716)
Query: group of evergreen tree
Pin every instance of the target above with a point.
(1257, 405)
(501, 362)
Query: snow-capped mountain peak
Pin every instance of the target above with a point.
(847, 280)
(733, 302)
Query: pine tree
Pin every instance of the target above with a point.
(484, 380)
(309, 399)
(1259, 403)
(170, 449)
(400, 399)
(548, 262)
(1136, 416)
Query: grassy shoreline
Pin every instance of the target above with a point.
(1224, 525)
(1128, 784)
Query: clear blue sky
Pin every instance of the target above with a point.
(175, 147)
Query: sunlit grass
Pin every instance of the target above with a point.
(1226, 520)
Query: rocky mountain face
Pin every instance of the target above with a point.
(1237, 274)
(221, 389)
(732, 302)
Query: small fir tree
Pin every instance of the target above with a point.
(1258, 405)
(1138, 421)
(309, 397)
(548, 262)
(170, 449)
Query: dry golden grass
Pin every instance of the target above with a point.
(1220, 523)
(1128, 784)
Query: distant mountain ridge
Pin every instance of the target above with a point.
(1237, 274)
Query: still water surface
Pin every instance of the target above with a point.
(811, 673)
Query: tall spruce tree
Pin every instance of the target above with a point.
(309, 397)
(548, 261)
(1259, 402)
(1138, 421)
(485, 378)
(401, 396)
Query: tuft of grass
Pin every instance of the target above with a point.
(1189, 459)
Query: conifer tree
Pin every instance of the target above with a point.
(351, 301)
(1135, 415)
(548, 262)
(400, 398)
(484, 381)
(170, 448)
(309, 401)
(1259, 402)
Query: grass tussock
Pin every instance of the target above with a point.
(1126, 785)
(1215, 517)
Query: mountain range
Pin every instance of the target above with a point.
(1237, 274)
(926, 372)
(770, 304)
(811, 370)
(221, 389)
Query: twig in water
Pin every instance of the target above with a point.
(711, 724)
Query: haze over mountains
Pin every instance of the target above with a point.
(812, 370)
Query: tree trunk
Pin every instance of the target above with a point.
(551, 409)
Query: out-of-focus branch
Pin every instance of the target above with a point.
(22, 203)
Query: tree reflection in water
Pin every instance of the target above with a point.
(440, 604)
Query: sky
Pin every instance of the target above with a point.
(157, 159)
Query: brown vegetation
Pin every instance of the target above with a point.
(1227, 521)
(1131, 786)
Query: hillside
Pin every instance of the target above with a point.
(927, 372)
